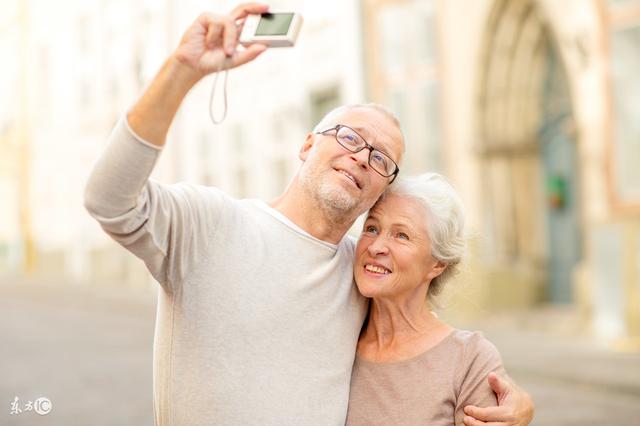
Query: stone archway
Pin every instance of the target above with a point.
(527, 152)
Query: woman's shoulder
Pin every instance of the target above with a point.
(479, 358)
(475, 345)
(470, 338)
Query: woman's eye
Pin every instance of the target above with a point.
(370, 229)
(402, 236)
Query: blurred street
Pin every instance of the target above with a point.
(89, 352)
(573, 380)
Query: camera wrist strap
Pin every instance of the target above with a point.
(222, 65)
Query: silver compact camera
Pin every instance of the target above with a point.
(274, 29)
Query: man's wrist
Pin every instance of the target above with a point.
(182, 73)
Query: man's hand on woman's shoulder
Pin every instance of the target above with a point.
(515, 407)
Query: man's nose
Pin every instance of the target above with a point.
(361, 158)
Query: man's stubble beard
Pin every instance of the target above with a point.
(336, 204)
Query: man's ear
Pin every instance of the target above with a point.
(306, 147)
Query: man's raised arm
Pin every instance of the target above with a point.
(122, 171)
(162, 224)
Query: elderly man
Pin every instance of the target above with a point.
(257, 318)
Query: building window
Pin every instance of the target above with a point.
(624, 51)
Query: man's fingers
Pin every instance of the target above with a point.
(490, 414)
(229, 38)
(470, 421)
(239, 27)
(217, 59)
(213, 33)
(221, 30)
(485, 414)
(212, 25)
(248, 54)
(242, 10)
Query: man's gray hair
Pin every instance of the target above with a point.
(329, 120)
(444, 221)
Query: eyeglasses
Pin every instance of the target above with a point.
(350, 140)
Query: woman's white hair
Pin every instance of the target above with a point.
(444, 220)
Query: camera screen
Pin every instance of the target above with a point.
(274, 24)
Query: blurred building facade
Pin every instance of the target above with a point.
(538, 130)
(528, 107)
(77, 66)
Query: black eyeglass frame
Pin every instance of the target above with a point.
(337, 128)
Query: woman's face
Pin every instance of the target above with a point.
(393, 255)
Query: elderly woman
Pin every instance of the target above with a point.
(411, 368)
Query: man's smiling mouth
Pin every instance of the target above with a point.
(350, 176)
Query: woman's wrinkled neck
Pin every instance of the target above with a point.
(397, 329)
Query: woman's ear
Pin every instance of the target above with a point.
(306, 146)
(437, 269)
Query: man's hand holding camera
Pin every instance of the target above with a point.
(205, 47)
(209, 44)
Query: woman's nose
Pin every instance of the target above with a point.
(378, 247)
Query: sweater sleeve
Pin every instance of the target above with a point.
(167, 226)
(481, 358)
